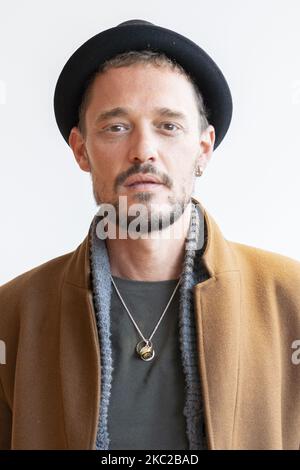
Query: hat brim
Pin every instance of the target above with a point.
(105, 45)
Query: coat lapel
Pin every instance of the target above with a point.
(217, 310)
(79, 353)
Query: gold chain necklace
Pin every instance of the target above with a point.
(144, 348)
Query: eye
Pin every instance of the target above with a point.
(170, 125)
(115, 126)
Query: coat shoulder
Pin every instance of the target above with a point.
(50, 270)
(265, 263)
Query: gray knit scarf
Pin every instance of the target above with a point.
(193, 273)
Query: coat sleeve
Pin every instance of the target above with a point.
(5, 422)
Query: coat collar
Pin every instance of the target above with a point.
(217, 311)
(79, 352)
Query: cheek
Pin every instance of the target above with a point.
(105, 181)
(103, 166)
(183, 169)
(185, 157)
(101, 173)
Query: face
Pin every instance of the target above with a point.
(142, 123)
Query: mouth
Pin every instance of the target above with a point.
(144, 186)
(143, 182)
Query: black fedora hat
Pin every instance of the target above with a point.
(140, 35)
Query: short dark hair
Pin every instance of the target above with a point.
(126, 59)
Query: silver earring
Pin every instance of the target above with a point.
(199, 170)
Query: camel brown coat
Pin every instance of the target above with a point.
(247, 317)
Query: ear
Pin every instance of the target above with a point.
(207, 141)
(77, 144)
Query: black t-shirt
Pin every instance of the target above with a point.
(147, 398)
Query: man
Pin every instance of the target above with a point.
(137, 340)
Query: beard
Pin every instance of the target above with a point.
(148, 217)
(151, 218)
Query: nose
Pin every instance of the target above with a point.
(142, 147)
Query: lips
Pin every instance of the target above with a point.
(142, 179)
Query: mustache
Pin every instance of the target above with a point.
(142, 169)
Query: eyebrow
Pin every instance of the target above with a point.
(123, 112)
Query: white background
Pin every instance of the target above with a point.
(251, 186)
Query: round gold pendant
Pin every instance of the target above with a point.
(145, 350)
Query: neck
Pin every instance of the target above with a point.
(151, 259)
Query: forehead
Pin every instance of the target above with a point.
(142, 83)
